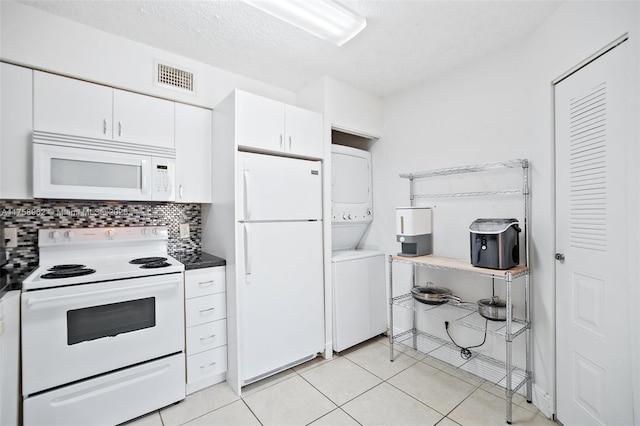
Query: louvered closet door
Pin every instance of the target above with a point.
(593, 370)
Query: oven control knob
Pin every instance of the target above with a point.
(344, 216)
(109, 233)
(350, 217)
(144, 231)
(156, 231)
(55, 235)
(70, 234)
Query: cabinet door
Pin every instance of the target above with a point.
(206, 364)
(303, 132)
(143, 119)
(201, 282)
(260, 123)
(69, 106)
(16, 109)
(193, 154)
(206, 336)
(205, 309)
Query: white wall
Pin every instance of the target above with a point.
(37, 39)
(500, 108)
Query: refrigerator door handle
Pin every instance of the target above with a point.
(247, 254)
(247, 196)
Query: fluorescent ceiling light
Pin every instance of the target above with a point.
(322, 18)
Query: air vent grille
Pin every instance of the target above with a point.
(174, 77)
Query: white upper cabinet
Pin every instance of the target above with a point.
(142, 119)
(69, 106)
(193, 154)
(15, 132)
(74, 107)
(260, 122)
(267, 125)
(303, 132)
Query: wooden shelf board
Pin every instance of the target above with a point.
(463, 265)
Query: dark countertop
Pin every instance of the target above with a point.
(11, 279)
(198, 260)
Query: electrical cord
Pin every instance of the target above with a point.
(465, 353)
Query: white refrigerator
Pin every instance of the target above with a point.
(280, 253)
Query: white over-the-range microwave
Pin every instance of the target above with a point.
(72, 167)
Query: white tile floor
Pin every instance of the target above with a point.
(358, 387)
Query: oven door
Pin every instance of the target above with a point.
(75, 332)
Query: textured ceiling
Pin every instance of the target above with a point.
(404, 43)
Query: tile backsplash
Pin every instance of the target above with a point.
(31, 215)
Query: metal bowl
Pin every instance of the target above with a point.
(494, 308)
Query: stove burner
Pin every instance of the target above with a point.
(153, 265)
(65, 267)
(68, 273)
(145, 260)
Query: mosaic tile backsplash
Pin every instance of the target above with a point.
(31, 215)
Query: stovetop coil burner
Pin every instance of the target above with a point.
(145, 260)
(151, 262)
(153, 265)
(65, 271)
(66, 267)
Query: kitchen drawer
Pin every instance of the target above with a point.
(205, 309)
(206, 364)
(206, 336)
(200, 282)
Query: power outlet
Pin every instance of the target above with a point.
(184, 230)
(11, 235)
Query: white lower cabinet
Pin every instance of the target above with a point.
(206, 327)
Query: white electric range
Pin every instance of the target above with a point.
(102, 326)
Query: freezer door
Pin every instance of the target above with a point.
(281, 308)
(278, 188)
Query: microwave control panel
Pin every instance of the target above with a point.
(163, 179)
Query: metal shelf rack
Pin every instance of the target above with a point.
(501, 373)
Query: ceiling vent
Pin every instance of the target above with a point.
(174, 78)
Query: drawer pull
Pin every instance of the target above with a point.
(208, 365)
(206, 283)
(208, 337)
(203, 311)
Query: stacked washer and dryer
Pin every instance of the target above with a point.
(358, 277)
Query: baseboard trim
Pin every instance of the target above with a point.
(542, 400)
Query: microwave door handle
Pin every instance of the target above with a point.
(144, 180)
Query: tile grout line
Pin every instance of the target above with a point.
(251, 411)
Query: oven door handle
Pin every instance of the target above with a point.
(35, 300)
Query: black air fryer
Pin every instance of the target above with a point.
(494, 243)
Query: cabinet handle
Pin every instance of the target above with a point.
(208, 365)
(280, 140)
(119, 128)
(202, 311)
(402, 225)
(208, 337)
(180, 191)
(206, 283)
(289, 143)
(104, 126)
